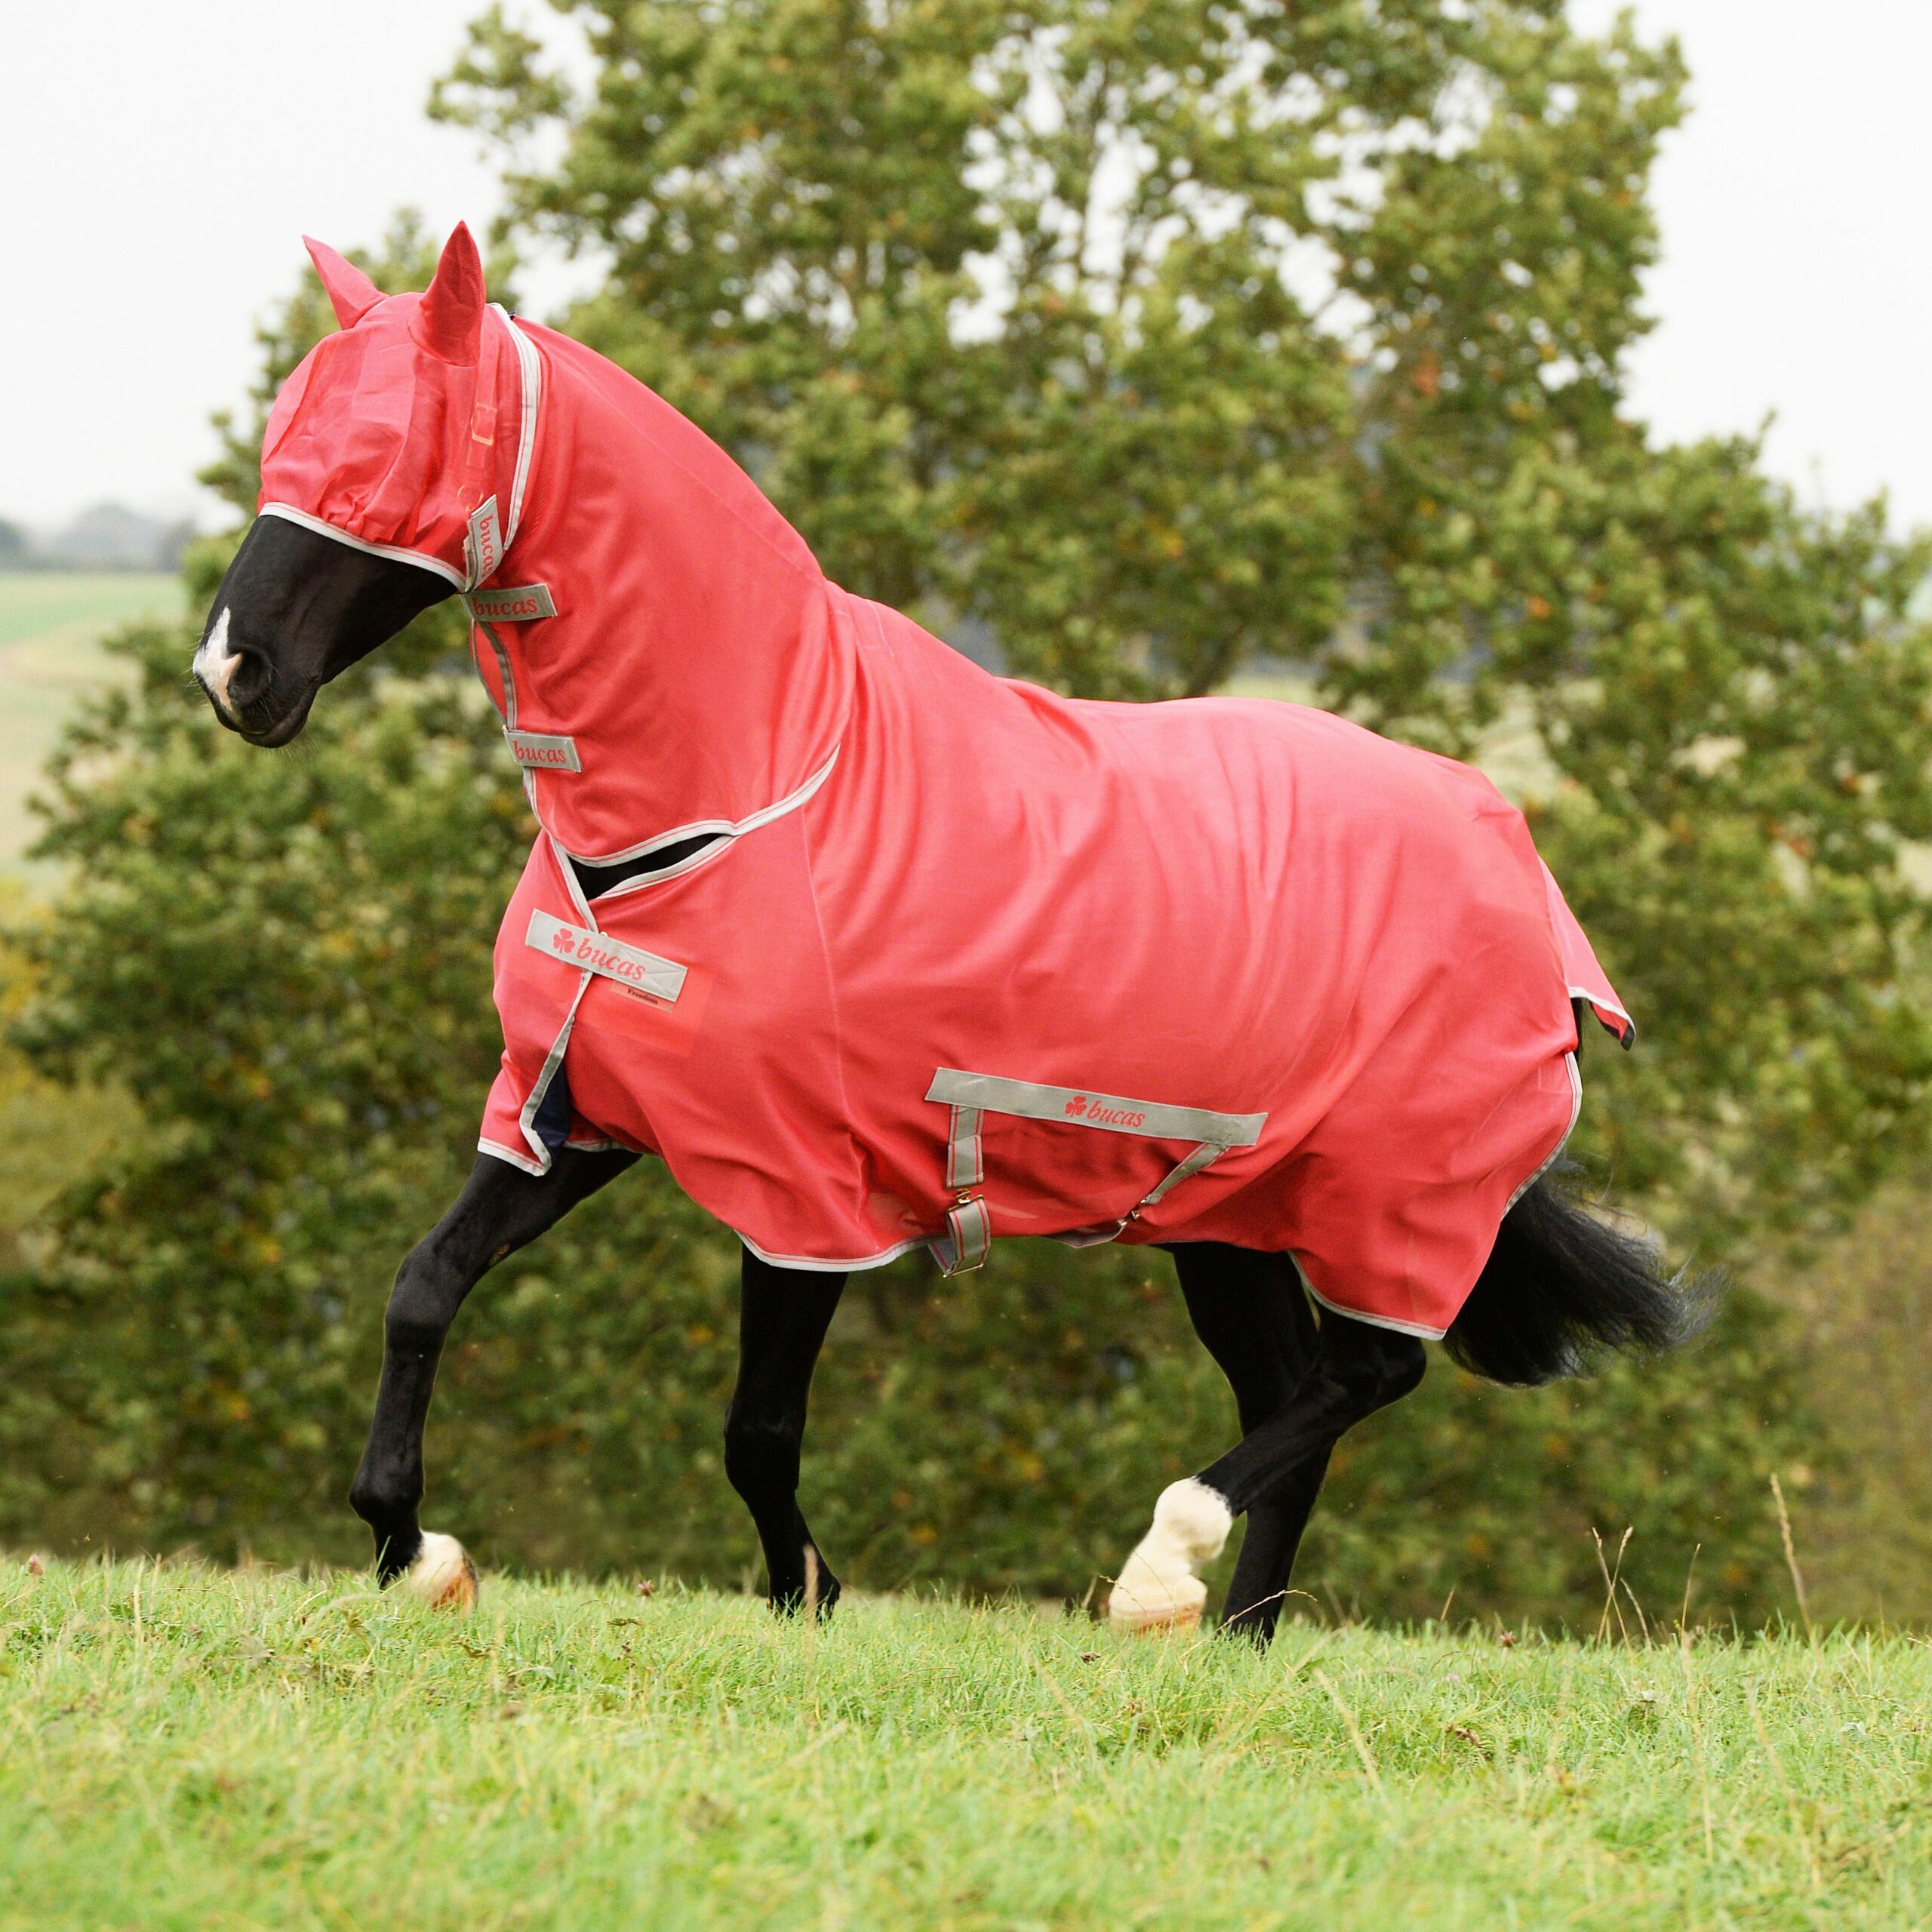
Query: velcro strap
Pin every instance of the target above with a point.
(544, 751)
(597, 952)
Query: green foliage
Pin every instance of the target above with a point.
(1864, 1529)
(191, 1748)
(1138, 342)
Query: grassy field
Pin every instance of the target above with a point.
(181, 1747)
(50, 622)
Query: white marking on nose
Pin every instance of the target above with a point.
(214, 663)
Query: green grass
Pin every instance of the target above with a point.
(186, 1748)
(50, 623)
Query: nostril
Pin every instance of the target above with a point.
(248, 680)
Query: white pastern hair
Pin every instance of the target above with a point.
(442, 1575)
(214, 665)
(1158, 1588)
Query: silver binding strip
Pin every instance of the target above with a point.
(530, 371)
(1204, 1155)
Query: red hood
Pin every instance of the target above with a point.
(397, 434)
(664, 648)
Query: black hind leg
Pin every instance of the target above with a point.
(1253, 1317)
(1358, 1369)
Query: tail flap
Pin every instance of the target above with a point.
(1585, 978)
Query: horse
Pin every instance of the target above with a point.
(876, 949)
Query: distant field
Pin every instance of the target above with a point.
(182, 1747)
(50, 622)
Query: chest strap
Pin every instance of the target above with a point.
(968, 1235)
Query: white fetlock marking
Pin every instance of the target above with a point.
(442, 1575)
(1159, 1587)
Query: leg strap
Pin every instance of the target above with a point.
(1204, 1155)
(1208, 1152)
(968, 1240)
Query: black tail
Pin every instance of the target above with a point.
(1562, 1287)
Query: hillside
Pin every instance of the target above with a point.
(50, 622)
(185, 1747)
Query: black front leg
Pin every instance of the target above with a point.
(500, 1209)
(784, 1313)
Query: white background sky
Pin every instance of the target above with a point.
(161, 161)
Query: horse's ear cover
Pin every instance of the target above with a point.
(450, 322)
(351, 294)
(389, 431)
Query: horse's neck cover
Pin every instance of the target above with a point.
(966, 958)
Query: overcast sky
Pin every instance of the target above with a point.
(161, 163)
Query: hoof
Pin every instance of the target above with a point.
(1134, 1619)
(791, 1602)
(442, 1575)
(1158, 1588)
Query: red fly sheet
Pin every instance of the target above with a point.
(966, 958)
